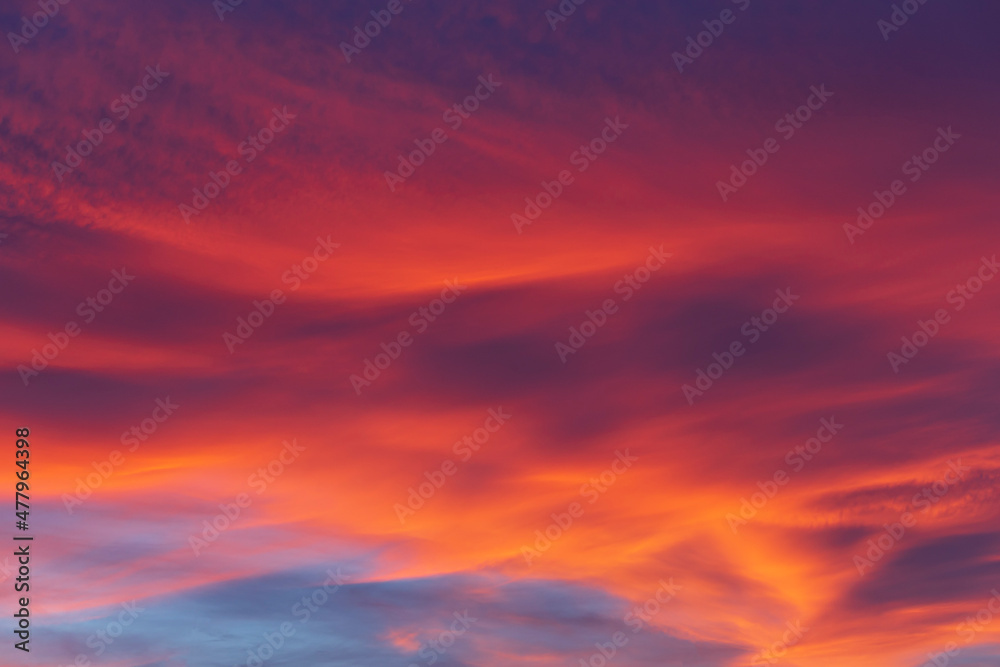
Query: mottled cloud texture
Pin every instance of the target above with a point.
(666, 399)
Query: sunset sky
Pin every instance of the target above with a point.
(652, 334)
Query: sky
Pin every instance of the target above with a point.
(506, 333)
